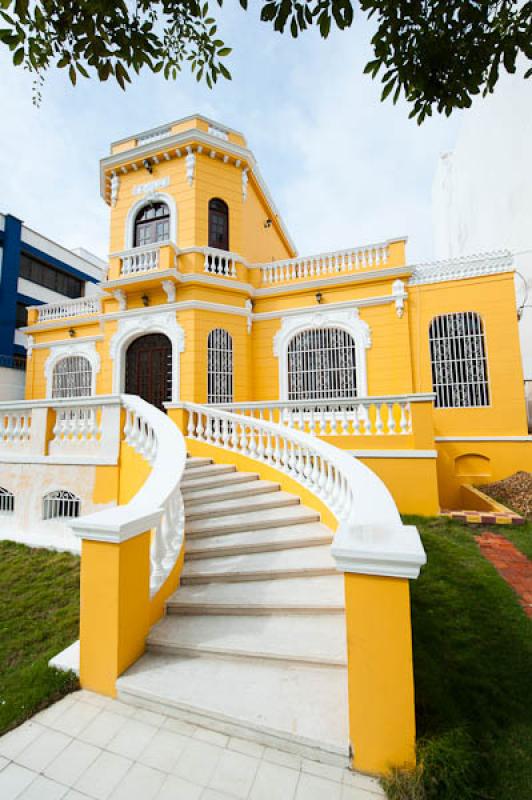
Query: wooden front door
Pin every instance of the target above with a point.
(149, 369)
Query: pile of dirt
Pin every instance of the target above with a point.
(514, 492)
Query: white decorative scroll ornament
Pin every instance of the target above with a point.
(190, 162)
(29, 345)
(169, 290)
(245, 180)
(115, 186)
(347, 320)
(248, 305)
(151, 186)
(120, 297)
(398, 291)
(134, 325)
(58, 352)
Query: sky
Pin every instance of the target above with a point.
(344, 168)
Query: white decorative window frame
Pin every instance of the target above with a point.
(85, 349)
(346, 320)
(150, 197)
(135, 325)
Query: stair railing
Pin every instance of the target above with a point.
(368, 520)
(158, 505)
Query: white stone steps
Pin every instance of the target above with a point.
(217, 480)
(251, 520)
(211, 470)
(317, 595)
(252, 504)
(260, 541)
(193, 462)
(231, 491)
(290, 707)
(294, 563)
(306, 638)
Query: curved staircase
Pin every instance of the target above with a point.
(253, 641)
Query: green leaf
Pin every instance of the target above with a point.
(18, 56)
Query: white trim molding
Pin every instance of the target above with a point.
(132, 326)
(394, 453)
(395, 553)
(455, 269)
(483, 438)
(151, 197)
(347, 320)
(85, 349)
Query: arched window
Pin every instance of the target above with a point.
(7, 501)
(218, 224)
(219, 367)
(322, 365)
(60, 504)
(458, 360)
(72, 377)
(152, 224)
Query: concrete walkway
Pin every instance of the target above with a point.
(88, 746)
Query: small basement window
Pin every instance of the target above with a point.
(61, 504)
(7, 501)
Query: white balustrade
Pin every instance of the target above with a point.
(83, 430)
(325, 264)
(140, 259)
(350, 490)
(77, 428)
(15, 427)
(219, 262)
(158, 505)
(219, 133)
(368, 416)
(82, 306)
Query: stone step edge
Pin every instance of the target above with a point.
(254, 525)
(222, 551)
(153, 645)
(218, 480)
(198, 535)
(243, 729)
(236, 492)
(239, 577)
(271, 501)
(184, 608)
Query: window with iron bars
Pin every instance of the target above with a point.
(458, 360)
(322, 365)
(72, 377)
(61, 504)
(220, 367)
(7, 501)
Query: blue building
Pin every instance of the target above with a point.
(34, 270)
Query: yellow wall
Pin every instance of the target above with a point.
(493, 298)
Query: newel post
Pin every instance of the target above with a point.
(377, 566)
(114, 603)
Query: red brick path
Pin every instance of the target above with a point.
(511, 564)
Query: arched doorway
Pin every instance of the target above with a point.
(149, 369)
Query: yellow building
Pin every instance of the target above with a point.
(201, 262)
(317, 396)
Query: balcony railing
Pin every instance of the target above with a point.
(219, 262)
(324, 264)
(363, 416)
(82, 306)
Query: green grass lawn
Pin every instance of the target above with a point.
(39, 617)
(473, 671)
(472, 658)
